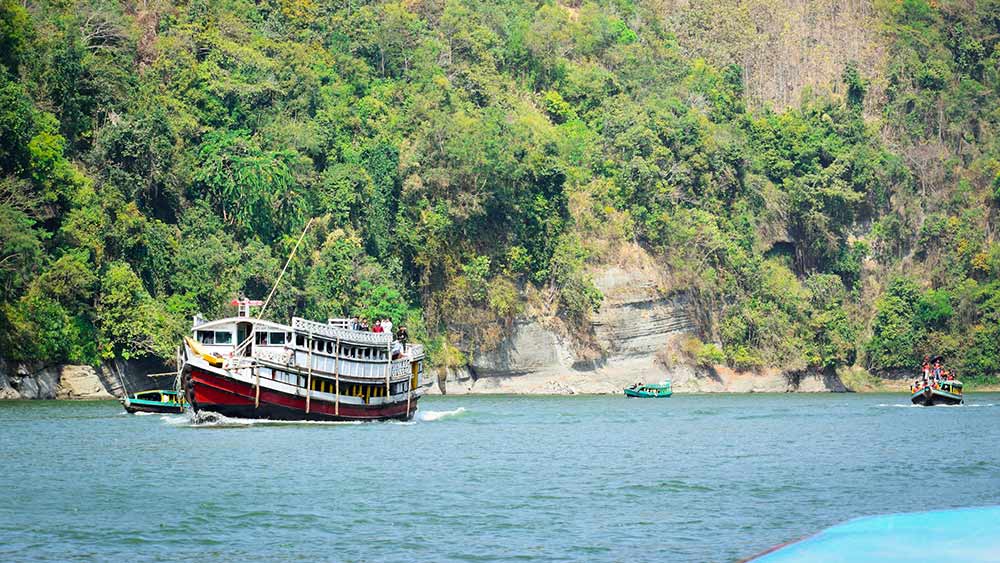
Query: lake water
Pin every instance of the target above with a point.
(691, 478)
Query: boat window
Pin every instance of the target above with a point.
(329, 347)
(223, 337)
(276, 338)
(300, 339)
(206, 337)
(261, 339)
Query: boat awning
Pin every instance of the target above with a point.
(966, 535)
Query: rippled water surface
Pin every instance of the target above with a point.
(691, 478)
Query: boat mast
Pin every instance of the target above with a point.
(243, 345)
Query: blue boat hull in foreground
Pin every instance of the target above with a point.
(966, 535)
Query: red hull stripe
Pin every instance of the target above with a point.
(211, 389)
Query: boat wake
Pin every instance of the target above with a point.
(207, 419)
(912, 406)
(431, 416)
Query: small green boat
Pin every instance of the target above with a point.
(651, 390)
(158, 400)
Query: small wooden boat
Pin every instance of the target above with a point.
(946, 392)
(157, 400)
(651, 390)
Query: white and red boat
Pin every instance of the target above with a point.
(246, 367)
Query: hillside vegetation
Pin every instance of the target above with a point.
(827, 198)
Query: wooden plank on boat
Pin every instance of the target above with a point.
(256, 399)
(309, 378)
(336, 374)
(388, 367)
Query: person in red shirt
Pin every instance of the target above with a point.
(378, 327)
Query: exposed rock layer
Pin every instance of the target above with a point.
(630, 331)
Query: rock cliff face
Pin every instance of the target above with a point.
(81, 382)
(28, 381)
(21, 380)
(633, 326)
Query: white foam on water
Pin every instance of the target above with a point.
(209, 419)
(912, 406)
(430, 416)
(177, 419)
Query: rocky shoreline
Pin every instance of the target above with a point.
(611, 381)
(27, 380)
(75, 382)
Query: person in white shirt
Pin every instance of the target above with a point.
(387, 326)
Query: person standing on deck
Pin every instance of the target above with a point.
(402, 336)
(378, 326)
(387, 326)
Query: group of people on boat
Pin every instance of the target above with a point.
(399, 338)
(380, 325)
(932, 375)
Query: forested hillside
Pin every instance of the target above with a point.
(468, 162)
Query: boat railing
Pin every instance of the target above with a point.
(304, 326)
(415, 351)
(280, 356)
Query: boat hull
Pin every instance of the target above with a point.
(132, 407)
(929, 397)
(646, 394)
(215, 392)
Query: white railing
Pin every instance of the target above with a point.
(345, 335)
(281, 356)
(416, 351)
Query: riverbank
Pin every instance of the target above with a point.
(28, 380)
(79, 382)
(685, 379)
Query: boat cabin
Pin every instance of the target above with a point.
(221, 337)
(952, 386)
(160, 396)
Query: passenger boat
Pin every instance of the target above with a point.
(157, 400)
(651, 390)
(246, 367)
(943, 392)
